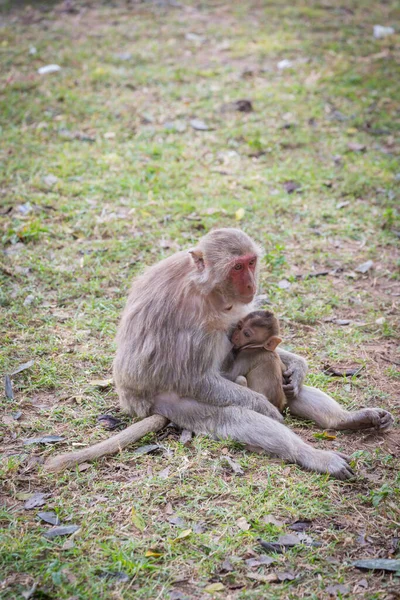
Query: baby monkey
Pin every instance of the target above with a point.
(255, 340)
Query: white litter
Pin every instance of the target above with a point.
(381, 32)
(49, 69)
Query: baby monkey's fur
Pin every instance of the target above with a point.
(255, 339)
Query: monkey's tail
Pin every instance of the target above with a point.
(114, 444)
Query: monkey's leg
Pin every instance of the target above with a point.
(317, 406)
(241, 380)
(244, 425)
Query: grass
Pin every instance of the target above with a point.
(133, 182)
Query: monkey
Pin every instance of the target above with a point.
(255, 339)
(172, 340)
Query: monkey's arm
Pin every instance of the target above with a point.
(217, 391)
(233, 370)
(294, 373)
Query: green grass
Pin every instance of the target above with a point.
(131, 189)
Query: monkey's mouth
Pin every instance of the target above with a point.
(234, 340)
(246, 299)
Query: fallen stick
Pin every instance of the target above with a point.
(114, 444)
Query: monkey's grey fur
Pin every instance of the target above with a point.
(172, 340)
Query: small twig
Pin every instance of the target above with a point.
(389, 360)
(347, 373)
(309, 275)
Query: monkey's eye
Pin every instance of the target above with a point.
(252, 262)
(238, 267)
(247, 334)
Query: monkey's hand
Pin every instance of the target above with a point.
(294, 374)
(218, 391)
(263, 406)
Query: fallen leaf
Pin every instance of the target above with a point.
(378, 564)
(291, 186)
(50, 180)
(243, 524)
(175, 520)
(288, 540)
(239, 214)
(23, 367)
(380, 321)
(184, 534)
(284, 284)
(194, 37)
(46, 439)
(227, 566)
(271, 546)
(84, 467)
(199, 125)
(324, 436)
(364, 267)
(137, 520)
(101, 383)
(270, 519)
(214, 587)
(300, 525)
(59, 531)
(164, 474)
(123, 55)
(285, 575)
(342, 322)
(269, 578)
(49, 517)
(177, 595)
(354, 147)
(168, 508)
(8, 387)
(28, 300)
(109, 422)
(337, 590)
(153, 553)
(260, 560)
(236, 468)
(148, 449)
(37, 499)
(199, 528)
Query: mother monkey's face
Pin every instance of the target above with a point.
(242, 278)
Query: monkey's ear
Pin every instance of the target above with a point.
(272, 342)
(198, 259)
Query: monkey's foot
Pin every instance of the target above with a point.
(334, 463)
(367, 418)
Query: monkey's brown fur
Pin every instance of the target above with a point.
(172, 340)
(255, 340)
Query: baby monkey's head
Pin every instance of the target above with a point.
(259, 328)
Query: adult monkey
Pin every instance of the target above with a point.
(171, 343)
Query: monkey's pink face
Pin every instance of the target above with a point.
(242, 277)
